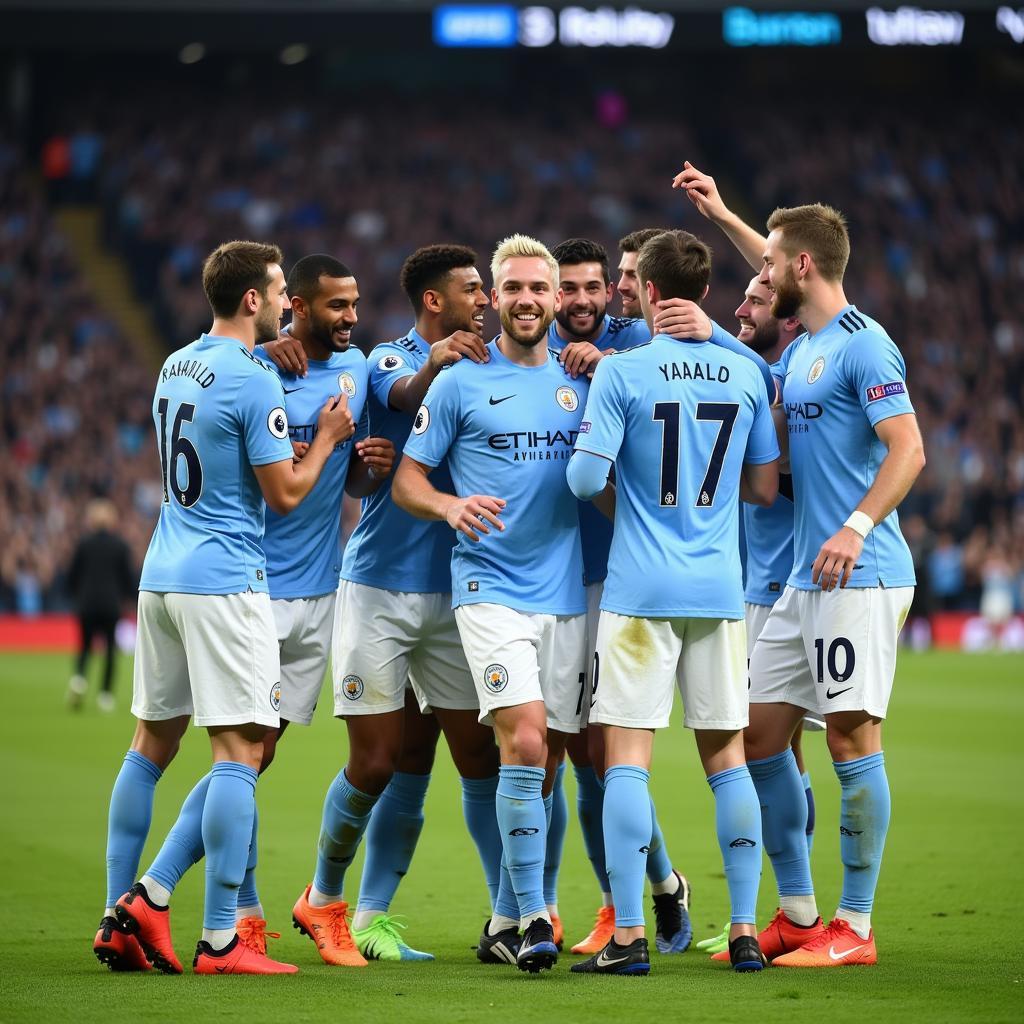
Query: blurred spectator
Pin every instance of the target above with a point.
(101, 579)
(931, 192)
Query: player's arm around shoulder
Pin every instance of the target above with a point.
(600, 435)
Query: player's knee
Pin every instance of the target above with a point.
(372, 772)
(527, 745)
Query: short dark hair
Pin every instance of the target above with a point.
(634, 241)
(817, 229)
(678, 264)
(574, 251)
(232, 269)
(304, 277)
(428, 268)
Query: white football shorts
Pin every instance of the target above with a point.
(386, 638)
(757, 616)
(212, 656)
(830, 651)
(304, 638)
(519, 657)
(641, 661)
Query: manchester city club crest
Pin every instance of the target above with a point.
(347, 383)
(567, 399)
(352, 687)
(495, 678)
(816, 370)
(275, 696)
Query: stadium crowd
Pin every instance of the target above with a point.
(936, 220)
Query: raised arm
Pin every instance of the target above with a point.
(703, 193)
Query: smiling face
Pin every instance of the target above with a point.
(778, 274)
(629, 285)
(526, 297)
(585, 298)
(462, 301)
(758, 328)
(332, 313)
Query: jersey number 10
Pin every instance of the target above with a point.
(668, 414)
(181, 448)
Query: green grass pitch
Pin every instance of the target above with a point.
(947, 916)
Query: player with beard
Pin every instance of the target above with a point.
(671, 611)
(767, 542)
(508, 426)
(205, 620)
(395, 629)
(583, 333)
(830, 641)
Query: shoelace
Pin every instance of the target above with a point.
(389, 925)
(825, 938)
(252, 933)
(337, 921)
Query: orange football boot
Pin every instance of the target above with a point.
(252, 931)
(838, 945)
(118, 951)
(236, 958)
(151, 925)
(601, 934)
(328, 928)
(556, 927)
(781, 936)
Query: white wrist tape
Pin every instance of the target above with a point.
(860, 522)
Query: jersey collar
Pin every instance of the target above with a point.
(418, 339)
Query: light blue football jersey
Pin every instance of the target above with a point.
(389, 548)
(619, 333)
(837, 385)
(218, 412)
(678, 419)
(768, 546)
(303, 548)
(508, 430)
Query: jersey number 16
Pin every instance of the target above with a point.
(181, 448)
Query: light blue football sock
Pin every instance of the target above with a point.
(346, 815)
(809, 794)
(183, 846)
(863, 823)
(627, 835)
(227, 829)
(738, 823)
(521, 818)
(247, 894)
(128, 821)
(590, 809)
(478, 808)
(558, 820)
(391, 837)
(783, 801)
(659, 864)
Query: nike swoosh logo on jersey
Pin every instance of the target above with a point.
(289, 391)
(846, 952)
(497, 401)
(832, 696)
(604, 961)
